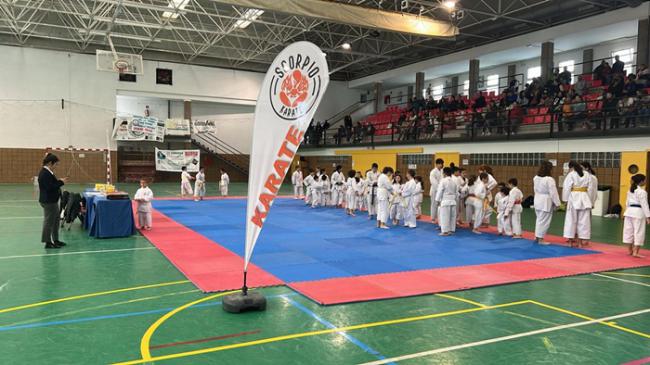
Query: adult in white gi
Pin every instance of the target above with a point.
(409, 194)
(434, 178)
(223, 183)
(296, 181)
(547, 200)
(447, 196)
(372, 176)
(514, 208)
(199, 185)
(338, 187)
(576, 192)
(186, 186)
(384, 189)
(637, 215)
(143, 197)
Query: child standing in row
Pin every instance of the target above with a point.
(637, 215)
(514, 208)
(396, 207)
(297, 180)
(308, 182)
(186, 186)
(143, 196)
(419, 197)
(447, 196)
(409, 194)
(223, 183)
(501, 202)
(199, 185)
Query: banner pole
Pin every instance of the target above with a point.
(244, 288)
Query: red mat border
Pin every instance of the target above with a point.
(198, 251)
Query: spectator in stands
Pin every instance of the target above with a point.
(556, 74)
(627, 107)
(565, 76)
(603, 72)
(617, 85)
(453, 104)
(461, 104)
(642, 76)
(443, 105)
(610, 110)
(340, 133)
(523, 100)
(619, 66)
(567, 116)
(358, 132)
(370, 132)
(511, 97)
(644, 108)
(630, 87)
(491, 118)
(480, 101)
(579, 109)
(347, 121)
(581, 87)
(515, 115)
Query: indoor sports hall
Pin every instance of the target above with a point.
(324, 182)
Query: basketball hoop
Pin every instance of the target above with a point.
(121, 66)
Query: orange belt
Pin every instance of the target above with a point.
(583, 190)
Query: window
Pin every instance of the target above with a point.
(437, 92)
(625, 55)
(570, 65)
(493, 84)
(466, 87)
(533, 72)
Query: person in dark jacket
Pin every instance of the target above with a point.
(49, 187)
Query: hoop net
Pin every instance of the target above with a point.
(83, 165)
(122, 66)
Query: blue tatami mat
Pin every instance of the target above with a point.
(303, 244)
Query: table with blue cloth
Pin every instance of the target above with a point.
(108, 218)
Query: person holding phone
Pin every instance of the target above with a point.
(49, 194)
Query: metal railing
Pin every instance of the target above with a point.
(223, 150)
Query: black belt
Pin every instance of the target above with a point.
(635, 205)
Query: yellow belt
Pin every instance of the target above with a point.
(584, 190)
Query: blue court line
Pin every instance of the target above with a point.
(117, 315)
(328, 324)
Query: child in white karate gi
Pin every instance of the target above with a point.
(316, 192)
(577, 192)
(296, 181)
(326, 195)
(223, 183)
(396, 208)
(337, 182)
(501, 200)
(350, 194)
(308, 182)
(143, 196)
(434, 178)
(418, 196)
(409, 194)
(447, 196)
(475, 203)
(514, 208)
(547, 200)
(372, 176)
(637, 215)
(199, 185)
(384, 190)
(186, 186)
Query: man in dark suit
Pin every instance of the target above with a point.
(49, 194)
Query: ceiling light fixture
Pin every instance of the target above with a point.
(249, 16)
(175, 5)
(449, 4)
(346, 46)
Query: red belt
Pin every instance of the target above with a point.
(517, 201)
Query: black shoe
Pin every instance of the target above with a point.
(50, 245)
(60, 243)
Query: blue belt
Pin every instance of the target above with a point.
(635, 205)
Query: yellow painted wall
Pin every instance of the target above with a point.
(448, 157)
(362, 160)
(628, 158)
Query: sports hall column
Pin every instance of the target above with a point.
(454, 85)
(546, 61)
(474, 66)
(187, 114)
(419, 84)
(378, 91)
(643, 42)
(587, 60)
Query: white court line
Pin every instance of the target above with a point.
(76, 253)
(17, 201)
(13, 218)
(504, 338)
(623, 280)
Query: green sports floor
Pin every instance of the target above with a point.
(120, 301)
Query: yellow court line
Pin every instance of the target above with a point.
(312, 333)
(461, 300)
(627, 274)
(91, 295)
(146, 339)
(608, 324)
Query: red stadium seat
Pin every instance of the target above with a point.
(533, 111)
(597, 83)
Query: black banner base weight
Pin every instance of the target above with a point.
(240, 302)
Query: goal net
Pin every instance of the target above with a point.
(81, 165)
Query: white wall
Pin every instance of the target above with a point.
(33, 82)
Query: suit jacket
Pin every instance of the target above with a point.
(49, 187)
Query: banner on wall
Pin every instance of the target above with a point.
(291, 92)
(177, 127)
(137, 128)
(204, 126)
(174, 160)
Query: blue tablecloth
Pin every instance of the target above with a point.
(108, 218)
